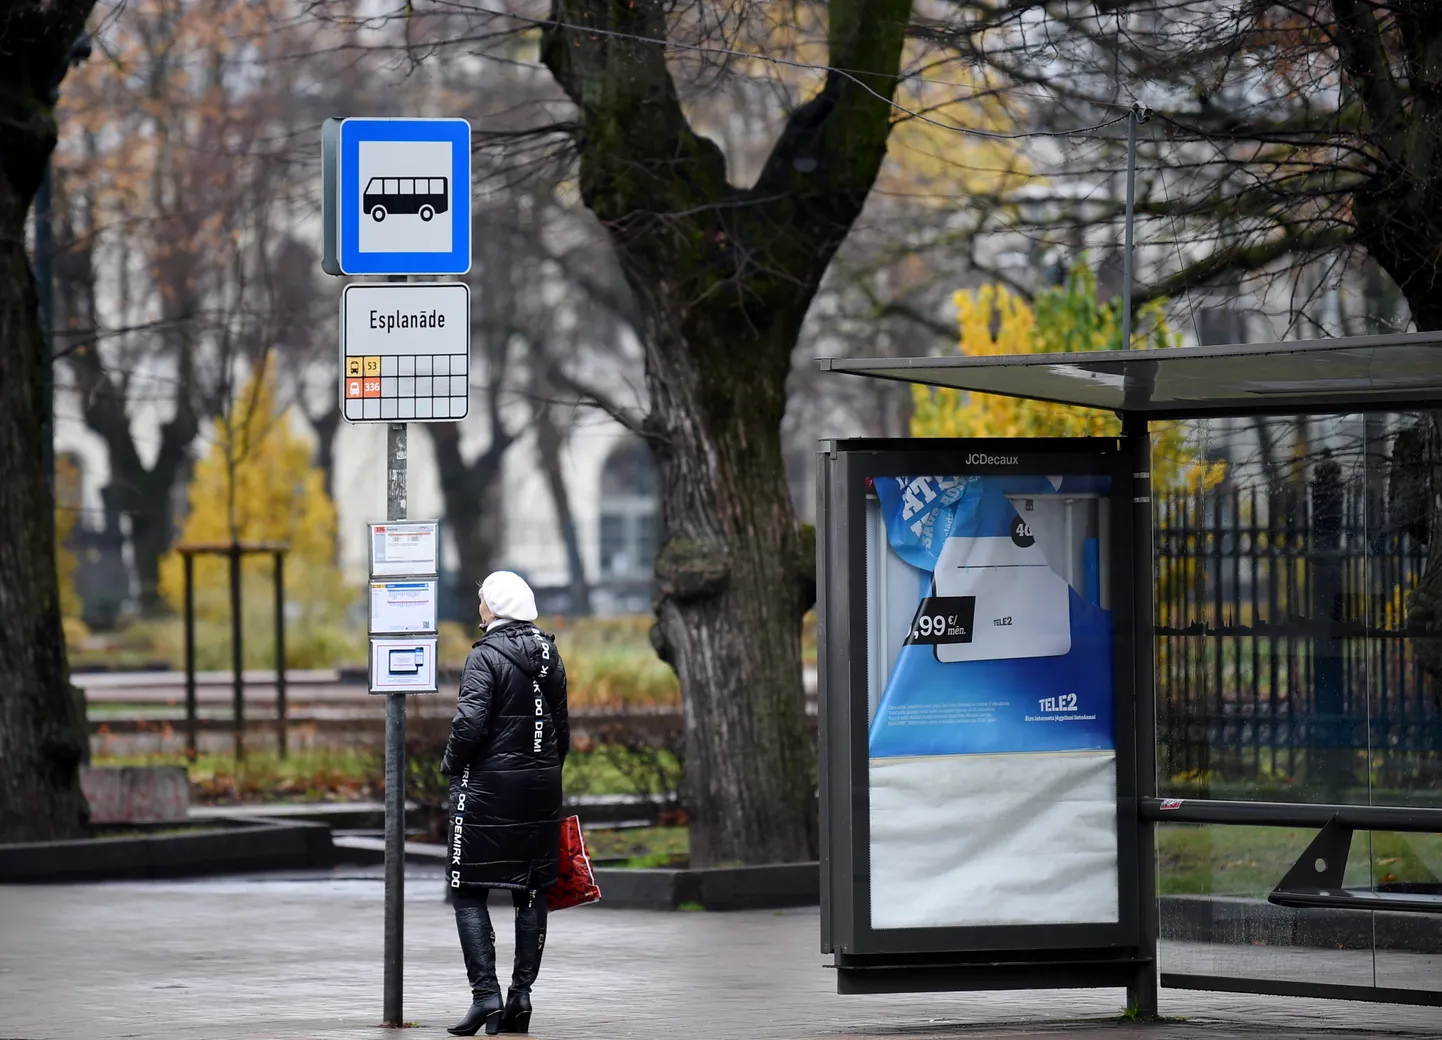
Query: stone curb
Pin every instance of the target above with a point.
(771, 887)
(224, 850)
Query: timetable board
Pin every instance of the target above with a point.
(405, 352)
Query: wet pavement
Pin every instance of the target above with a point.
(299, 958)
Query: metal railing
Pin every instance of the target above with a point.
(1283, 642)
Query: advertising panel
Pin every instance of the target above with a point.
(992, 765)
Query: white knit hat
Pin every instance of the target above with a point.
(509, 596)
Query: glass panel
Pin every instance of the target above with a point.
(408, 186)
(990, 646)
(1261, 668)
(438, 186)
(393, 186)
(1215, 918)
(613, 546)
(1406, 730)
(1405, 722)
(1264, 660)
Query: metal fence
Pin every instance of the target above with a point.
(1284, 655)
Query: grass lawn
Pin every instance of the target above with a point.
(612, 770)
(639, 847)
(1250, 861)
(325, 774)
(345, 774)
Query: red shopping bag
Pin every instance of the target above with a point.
(575, 884)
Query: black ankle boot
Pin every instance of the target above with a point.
(485, 1012)
(517, 1016)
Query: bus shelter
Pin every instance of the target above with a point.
(1022, 641)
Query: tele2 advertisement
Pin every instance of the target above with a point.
(1010, 647)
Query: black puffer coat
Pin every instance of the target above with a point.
(508, 741)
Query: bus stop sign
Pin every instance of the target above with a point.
(397, 196)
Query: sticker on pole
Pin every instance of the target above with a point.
(403, 607)
(405, 352)
(403, 665)
(405, 548)
(398, 196)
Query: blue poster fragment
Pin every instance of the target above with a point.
(1010, 648)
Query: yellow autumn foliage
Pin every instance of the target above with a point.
(256, 483)
(1061, 319)
(67, 512)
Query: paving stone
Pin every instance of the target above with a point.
(299, 958)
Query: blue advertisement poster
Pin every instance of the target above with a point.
(1010, 645)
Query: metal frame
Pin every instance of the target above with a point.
(235, 551)
(1315, 880)
(1138, 368)
(844, 795)
(1285, 988)
(963, 957)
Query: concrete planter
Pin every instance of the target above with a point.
(770, 887)
(136, 794)
(222, 850)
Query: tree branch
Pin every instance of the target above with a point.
(1364, 55)
(627, 417)
(905, 311)
(627, 99)
(1242, 259)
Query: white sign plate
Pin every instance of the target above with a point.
(403, 665)
(404, 548)
(405, 352)
(403, 606)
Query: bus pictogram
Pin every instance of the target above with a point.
(422, 196)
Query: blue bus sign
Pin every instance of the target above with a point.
(397, 197)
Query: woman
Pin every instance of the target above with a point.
(508, 741)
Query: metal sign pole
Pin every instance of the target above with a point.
(1139, 114)
(395, 796)
(1142, 992)
(404, 356)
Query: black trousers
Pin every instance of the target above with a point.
(478, 939)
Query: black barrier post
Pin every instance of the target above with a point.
(190, 740)
(235, 552)
(1332, 738)
(237, 657)
(280, 708)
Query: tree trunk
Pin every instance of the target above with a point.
(42, 727)
(723, 277)
(548, 449)
(326, 425)
(472, 507)
(731, 588)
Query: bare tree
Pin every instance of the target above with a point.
(723, 277)
(176, 178)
